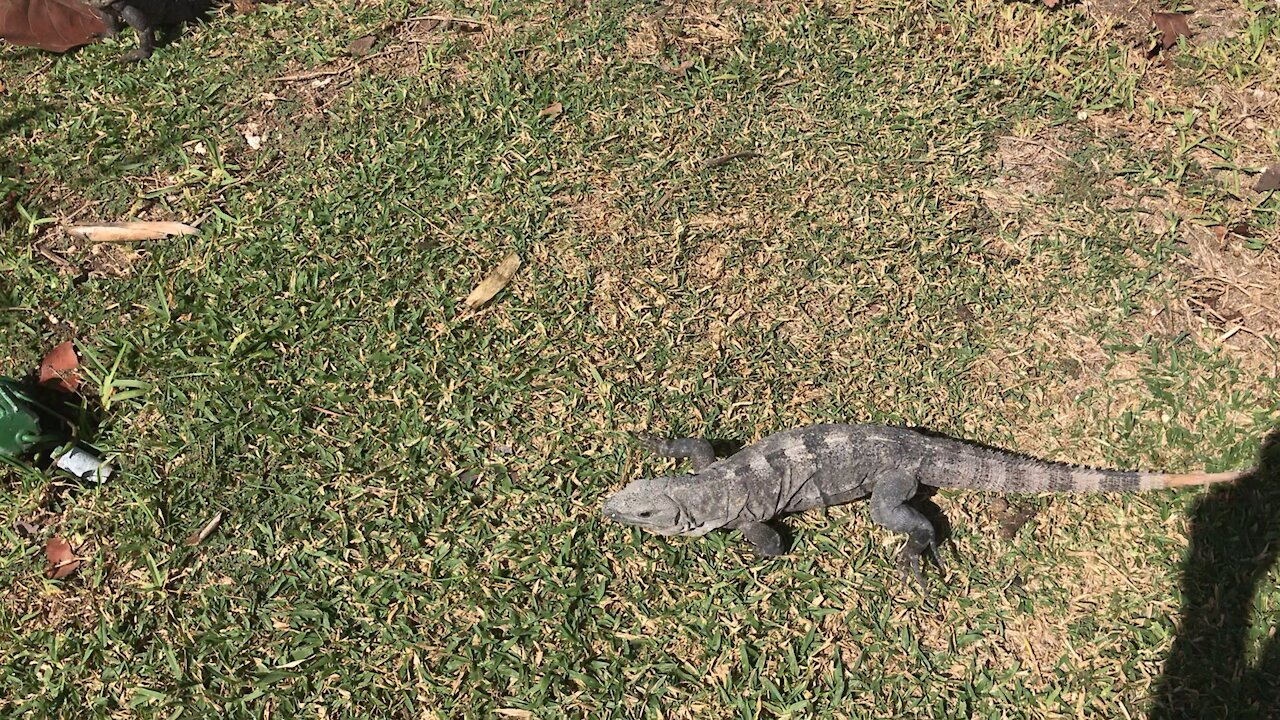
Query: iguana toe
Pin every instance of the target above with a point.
(648, 441)
(937, 558)
(908, 568)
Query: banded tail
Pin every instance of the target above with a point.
(957, 464)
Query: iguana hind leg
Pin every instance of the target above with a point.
(696, 449)
(889, 509)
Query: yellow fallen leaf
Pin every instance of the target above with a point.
(494, 283)
(130, 231)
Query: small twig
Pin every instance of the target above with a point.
(661, 204)
(447, 19)
(1039, 144)
(312, 75)
(726, 159)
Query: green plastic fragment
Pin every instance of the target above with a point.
(19, 426)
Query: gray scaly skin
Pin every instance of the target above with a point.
(145, 16)
(825, 465)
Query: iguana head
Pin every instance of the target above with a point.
(648, 504)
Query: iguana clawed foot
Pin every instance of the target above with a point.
(909, 566)
(646, 440)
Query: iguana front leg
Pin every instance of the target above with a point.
(889, 509)
(696, 449)
(146, 33)
(112, 22)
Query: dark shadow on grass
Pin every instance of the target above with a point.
(1235, 541)
(11, 122)
(19, 184)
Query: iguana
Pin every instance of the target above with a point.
(145, 16)
(825, 465)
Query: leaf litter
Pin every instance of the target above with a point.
(493, 283)
(61, 560)
(60, 368)
(1270, 180)
(200, 535)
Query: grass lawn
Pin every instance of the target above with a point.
(994, 219)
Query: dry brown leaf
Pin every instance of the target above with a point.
(494, 283)
(199, 536)
(552, 110)
(361, 46)
(679, 70)
(56, 25)
(26, 528)
(1270, 180)
(130, 231)
(1171, 26)
(60, 368)
(514, 712)
(1050, 3)
(61, 560)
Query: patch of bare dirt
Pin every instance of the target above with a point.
(1244, 118)
(1228, 287)
(1216, 20)
(1131, 18)
(80, 257)
(1028, 169)
(1234, 290)
(687, 29)
(396, 49)
(1211, 21)
(708, 264)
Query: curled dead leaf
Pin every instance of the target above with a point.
(60, 559)
(26, 528)
(199, 536)
(493, 283)
(1171, 26)
(60, 368)
(362, 46)
(55, 25)
(678, 70)
(1270, 180)
(130, 231)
